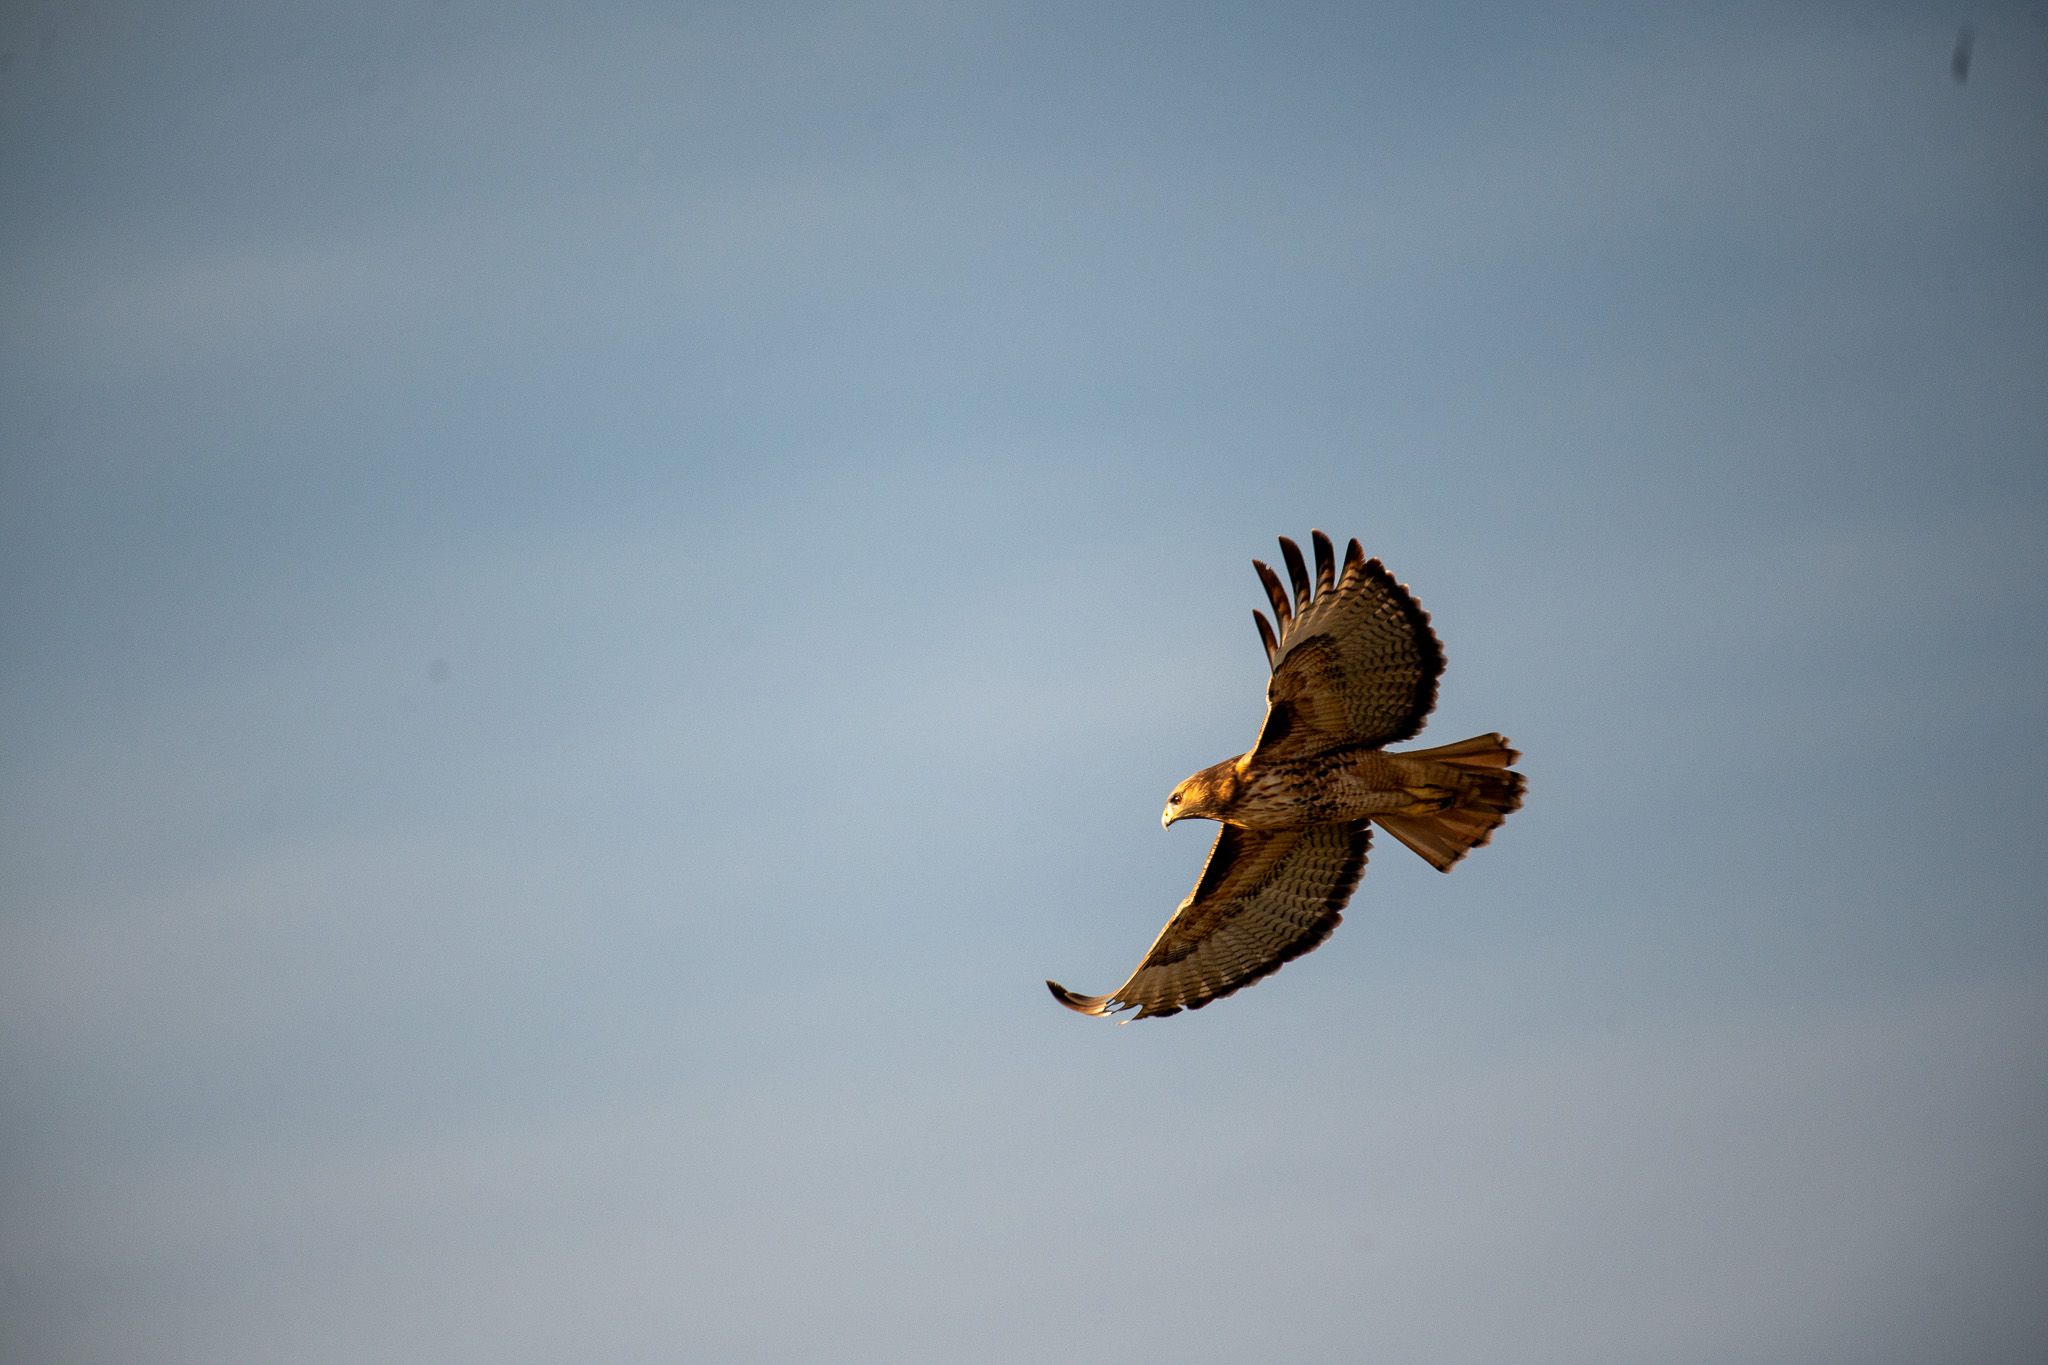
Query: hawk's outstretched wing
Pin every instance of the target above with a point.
(1354, 660)
(1264, 898)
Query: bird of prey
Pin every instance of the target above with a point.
(1354, 669)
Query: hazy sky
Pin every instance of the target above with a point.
(593, 596)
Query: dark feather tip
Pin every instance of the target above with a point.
(1277, 595)
(1297, 571)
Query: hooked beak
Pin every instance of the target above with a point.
(1169, 815)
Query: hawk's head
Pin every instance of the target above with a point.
(1207, 794)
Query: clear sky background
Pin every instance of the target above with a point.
(594, 595)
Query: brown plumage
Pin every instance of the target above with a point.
(1354, 668)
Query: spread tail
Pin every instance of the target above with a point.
(1486, 792)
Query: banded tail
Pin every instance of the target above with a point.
(1487, 792)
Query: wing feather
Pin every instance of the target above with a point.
(1355, 659)
(1298, 572)
(1275, 594)
(1266, 636)
(1264, 898)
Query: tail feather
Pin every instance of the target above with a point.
(1436, 845)
(1480, 751)
(1487, 793)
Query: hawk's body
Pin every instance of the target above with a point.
(1355, 666)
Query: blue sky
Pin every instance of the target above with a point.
(593, 598)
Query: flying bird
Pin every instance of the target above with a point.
(1354, 669)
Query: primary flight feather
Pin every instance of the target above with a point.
(1354, 666)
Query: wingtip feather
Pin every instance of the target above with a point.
(1080, 1004)
(1277, 595)
(1266, 636)
(1297, 571)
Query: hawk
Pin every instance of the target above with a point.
(1354, 667)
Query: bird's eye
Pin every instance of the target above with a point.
(1173, 800)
